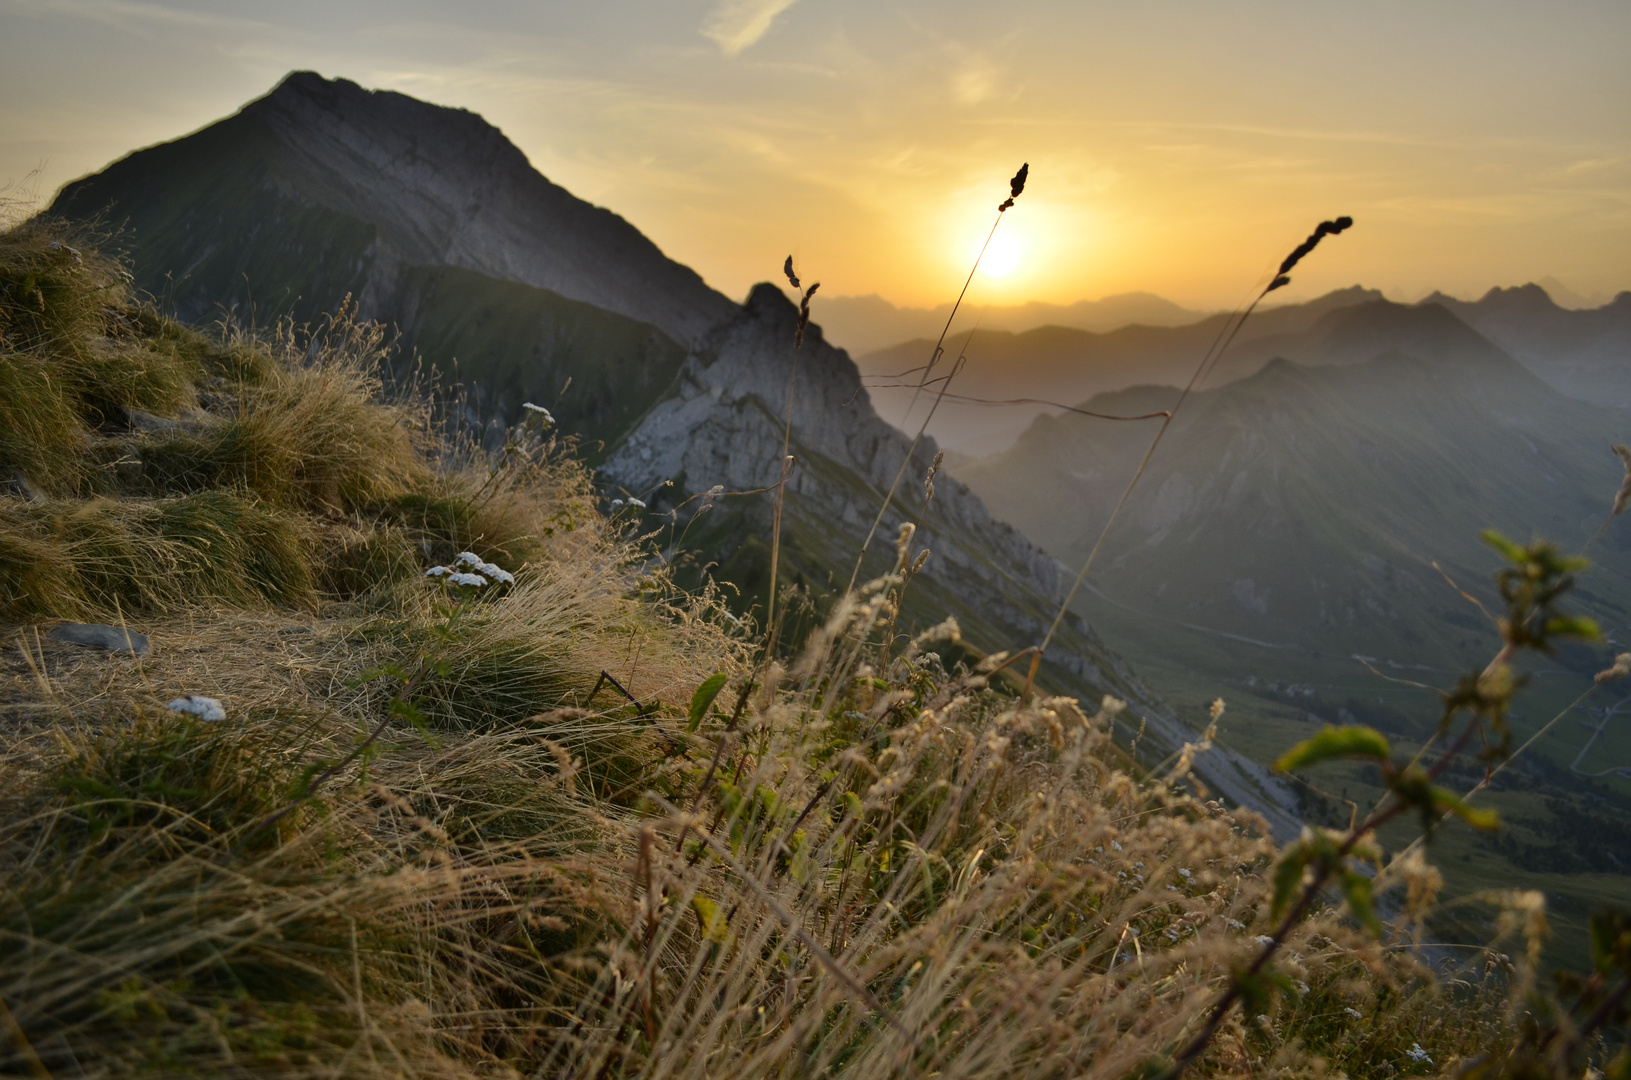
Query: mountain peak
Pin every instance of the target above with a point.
(397, 183)
(767, 300)
(1530, 297)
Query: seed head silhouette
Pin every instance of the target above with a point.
(1321, 231)
(1015, 186)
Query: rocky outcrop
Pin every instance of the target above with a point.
(723, 425)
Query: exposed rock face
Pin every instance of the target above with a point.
(724, 425)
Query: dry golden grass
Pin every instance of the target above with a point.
(862, 865)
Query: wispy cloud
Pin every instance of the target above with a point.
(735, 25)
(124, 13)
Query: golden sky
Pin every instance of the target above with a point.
(1179, 148)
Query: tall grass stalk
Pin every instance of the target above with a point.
(772, 627)
(1016, 186)
(1226, 336)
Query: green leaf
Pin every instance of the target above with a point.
(1512, 553)
(1257, 992)
(1335, 742)
(1356, 888)
(711, 918)
(406, 710)
(1611, 940)
(1575, 626)
(704, 697)
(1450, 803)
(1289, 875)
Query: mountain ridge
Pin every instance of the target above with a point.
(1067, 366)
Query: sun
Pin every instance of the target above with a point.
(1003, 256)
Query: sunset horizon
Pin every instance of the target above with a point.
(736, 133)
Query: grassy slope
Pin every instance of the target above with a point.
(503, 892)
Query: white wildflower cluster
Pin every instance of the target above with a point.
(1355, 1013)
(205, 708)
(477, 564)
(631, 501)
(477, 575)
(1416, 1053)
(1264, 940)
(540, 412)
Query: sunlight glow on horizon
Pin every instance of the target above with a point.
(1178, 148)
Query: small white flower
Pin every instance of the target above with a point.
(205, 708)
(1116, 844)
(1355, 1013)
(1302, 987)
(617, 504)
(636, 503)
(1172, 888)
(540, 410)
(497, 573)
(1235, 924)
(474, 580)
(1264, 940)
(1416, 1053)
(437, 571)
(468, 558)
(1185, 874)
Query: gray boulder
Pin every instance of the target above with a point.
(101, 636)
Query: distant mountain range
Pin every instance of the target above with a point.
(1585, 354)
(434, 223)
(867, 323)
(1305, 505)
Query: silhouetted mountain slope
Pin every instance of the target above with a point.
(1584, 353)
(322, 187)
